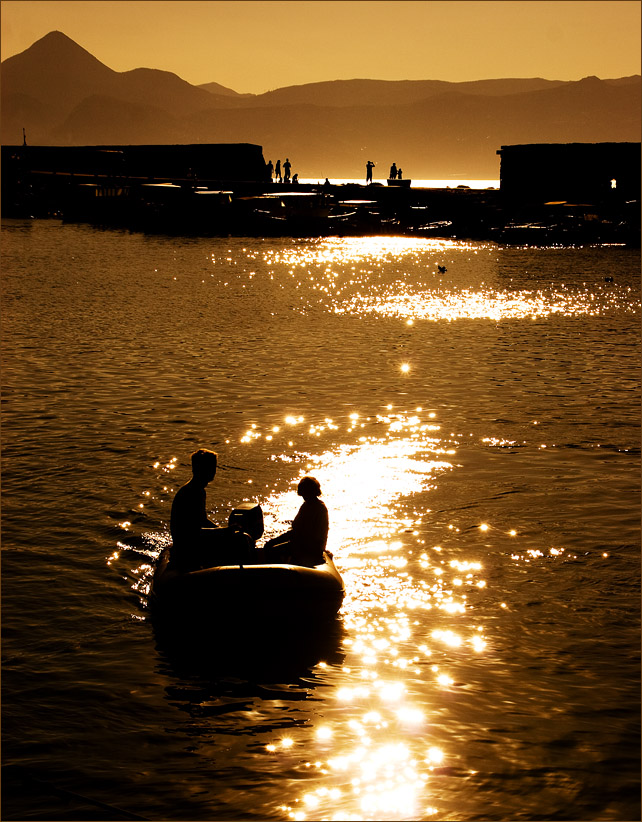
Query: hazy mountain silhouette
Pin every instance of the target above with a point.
(62, 95)
(347, 93)
(218, 89)
(61, 74)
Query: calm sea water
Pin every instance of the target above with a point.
(449, 183)
(476, 435)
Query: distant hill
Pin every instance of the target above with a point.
(60, 74)
(217, 88)
(350, 93)
(62, 95)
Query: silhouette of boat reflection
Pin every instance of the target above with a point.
(225, 677)
(263, 651)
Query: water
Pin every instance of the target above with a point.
(449, 183)
(476, 436)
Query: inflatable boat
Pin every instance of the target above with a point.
(237, 588)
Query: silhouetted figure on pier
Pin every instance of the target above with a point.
(286, 171)
(305, 542)
(327, 184)
(270, 168)
(189, 515)
(295, 180)
(399, 175)
(393, 171)
(369, 166)
(277, 171)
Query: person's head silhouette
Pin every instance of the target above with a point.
(204, 464)
(308, 488)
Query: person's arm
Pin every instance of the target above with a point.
(202, 517)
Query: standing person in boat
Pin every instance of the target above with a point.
(369, 166)
(305, 542)
(286, 170)
(277, 172)
(188, 512)
(393, 171)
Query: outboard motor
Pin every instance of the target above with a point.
(248, 518)
(235, 544)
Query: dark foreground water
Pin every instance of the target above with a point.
(476, 435)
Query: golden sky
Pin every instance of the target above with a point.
(254, 46)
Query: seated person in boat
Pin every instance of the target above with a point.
(188, 513)
(305, 542)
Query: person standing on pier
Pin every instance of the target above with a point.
(286, 171)
(399, 175)
(393, 172)
(277, 172)
(270, 168)
(369, 166)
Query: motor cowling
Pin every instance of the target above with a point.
(248, 518)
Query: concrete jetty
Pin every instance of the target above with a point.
(225, 189)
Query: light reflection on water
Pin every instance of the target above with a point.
(415, 649)
(374, 760)
(373, 754)
(353, 276)
(483, 521)
(395, 455)
(488, 304)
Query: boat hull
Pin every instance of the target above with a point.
(242, 592)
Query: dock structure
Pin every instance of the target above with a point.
(568, 190)
(49, 178)
(573, 172)
(225, 162)
(552, 193)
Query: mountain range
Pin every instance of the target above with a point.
(62, 95)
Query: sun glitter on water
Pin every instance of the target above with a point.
(373, 754)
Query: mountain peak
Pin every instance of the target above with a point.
(55, 35)
(55, 70)
(58, 52)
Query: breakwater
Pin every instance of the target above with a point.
(169, 189)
